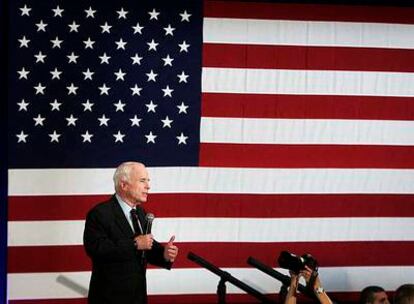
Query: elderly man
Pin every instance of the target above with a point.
(115, 239)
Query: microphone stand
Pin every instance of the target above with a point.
(226, 277)
(284, 279)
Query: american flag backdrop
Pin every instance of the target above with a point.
(265, 127)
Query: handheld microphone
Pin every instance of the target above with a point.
(149, 218)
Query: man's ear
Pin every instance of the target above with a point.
(123, 185)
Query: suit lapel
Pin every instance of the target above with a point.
(120, 218)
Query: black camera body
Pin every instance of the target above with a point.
(297, 263)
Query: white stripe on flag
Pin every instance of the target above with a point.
(304, 82)
(217, 180)
(311, 33)
(43, 233)
(75, 284)
(306, 131)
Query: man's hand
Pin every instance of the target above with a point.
(144, 242)
(170, 250)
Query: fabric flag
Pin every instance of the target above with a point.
(265, 127)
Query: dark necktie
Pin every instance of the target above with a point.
(135, 222)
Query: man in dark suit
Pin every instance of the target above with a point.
(115, 239)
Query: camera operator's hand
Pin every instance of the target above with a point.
(311, 278)
(294, 283)
(313, 282)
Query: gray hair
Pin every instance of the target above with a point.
(123, 173)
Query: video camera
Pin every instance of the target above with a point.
(297, 263)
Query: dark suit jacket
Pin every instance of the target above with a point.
(118, 274)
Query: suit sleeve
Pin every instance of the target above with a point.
(156, 256)
(98, 243)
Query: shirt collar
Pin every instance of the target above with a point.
(124, 206)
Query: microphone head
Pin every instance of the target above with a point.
(149, 217)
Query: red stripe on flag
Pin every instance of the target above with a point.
(307, 58)
(62, 207)
(224, 205)
(329, 254)
(308, 12)
(306, 156)
(345, 297)
(307, 106)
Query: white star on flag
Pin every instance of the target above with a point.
(25, 10)
(182, 77)
(54, 137)
(22, 105)
(151, 106)
(87, 137)
(119, 137)
(39, 120)
(166, 122)
(167, 91)
(120, 44)
(71, 120)
(55, 73)
(104, 58)
(122, 13)
(72, 89)
(135, 121)
(72, 58)
(73, 27)
(58, 11)
(120, 75)
(184, 46)
(119, 106)
(89, 43)
(40, 57)
(138, 29)
(185, 16)
(88, 74)
(87, 106)
(153, 14)
(23, 73)
(104, 89)
(152, 45)
(169, 30)
(151, 137)
(90, 12)
(136, 59)
(103, 121)
(106, 28)
(24, 42)
(40, 89)
(136, 90)
(168, 60)
(151, 76)
(182, 139)
(21, 137)
(55, 105)
(56, 43)
(41, 26)
(182, 108)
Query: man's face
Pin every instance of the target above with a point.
(380, 298)
(136, 189)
